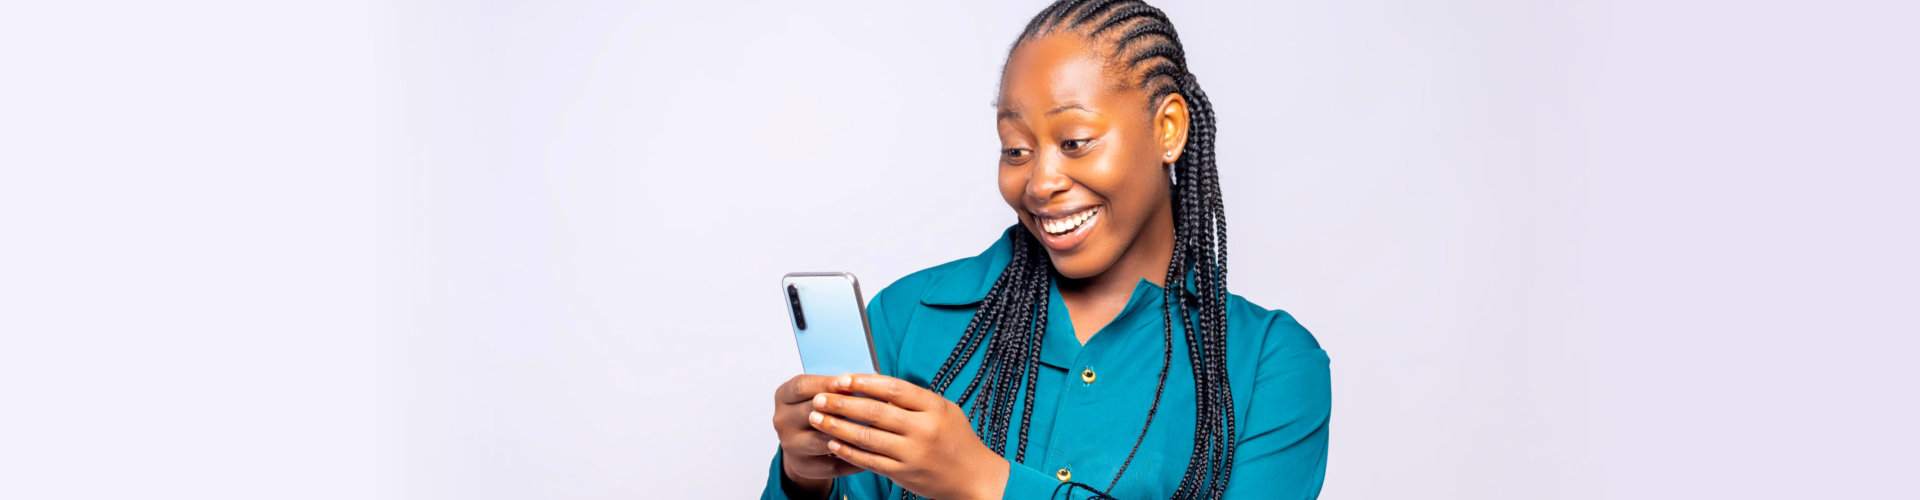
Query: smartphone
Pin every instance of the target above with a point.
(830, 323)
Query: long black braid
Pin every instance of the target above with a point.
(1141, 40)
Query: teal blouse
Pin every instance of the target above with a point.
(1092, 399)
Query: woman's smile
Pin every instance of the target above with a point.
(1063, 230)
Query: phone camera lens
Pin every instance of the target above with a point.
(793, 302)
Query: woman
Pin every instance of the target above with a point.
(1050, 365)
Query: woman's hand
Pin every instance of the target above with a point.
(917, 438)
(803, 450)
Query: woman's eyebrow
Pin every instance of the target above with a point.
(1006, 113)
(1070, 105)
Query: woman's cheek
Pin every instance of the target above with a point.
(1011, 183)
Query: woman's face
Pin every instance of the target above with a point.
(1081, 163)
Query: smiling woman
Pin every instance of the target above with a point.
(1107, 162)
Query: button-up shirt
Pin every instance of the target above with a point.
(1091, 400)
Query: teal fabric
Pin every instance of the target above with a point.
(1281, 390)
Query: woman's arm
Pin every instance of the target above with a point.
(1283, 444)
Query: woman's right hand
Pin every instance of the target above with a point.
(803, 449)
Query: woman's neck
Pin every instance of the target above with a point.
(1094, 301)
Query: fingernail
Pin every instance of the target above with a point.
(844, 382)
(819, 401)
(833, 445)
(814, 417)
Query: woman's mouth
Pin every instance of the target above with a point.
(1066, 232)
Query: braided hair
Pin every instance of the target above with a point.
(1142, 41)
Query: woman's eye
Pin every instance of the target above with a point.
(1014, 153)
(1073, 145)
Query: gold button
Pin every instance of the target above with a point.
(1063, 475)
(1086, 375)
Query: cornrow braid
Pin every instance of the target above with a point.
(1141, 40)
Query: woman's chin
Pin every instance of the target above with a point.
(1079, 266)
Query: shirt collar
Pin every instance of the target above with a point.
(968, 283)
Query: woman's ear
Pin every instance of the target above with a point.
(1170, 122)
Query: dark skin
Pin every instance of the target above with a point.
(1074, 141)
(1079, 156)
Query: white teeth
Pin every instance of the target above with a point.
(1067, 224)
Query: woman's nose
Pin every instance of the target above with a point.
(1047, 179)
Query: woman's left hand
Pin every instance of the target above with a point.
(920, 440)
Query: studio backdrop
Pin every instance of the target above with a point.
(1563, 249)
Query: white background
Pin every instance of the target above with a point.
(1563, 249)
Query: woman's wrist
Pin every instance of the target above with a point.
(993, 480)
(799, 488)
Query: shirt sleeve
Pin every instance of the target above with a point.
(1283, 448)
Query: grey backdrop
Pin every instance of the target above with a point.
(1561, 249)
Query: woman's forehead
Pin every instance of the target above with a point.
(1056, 70)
